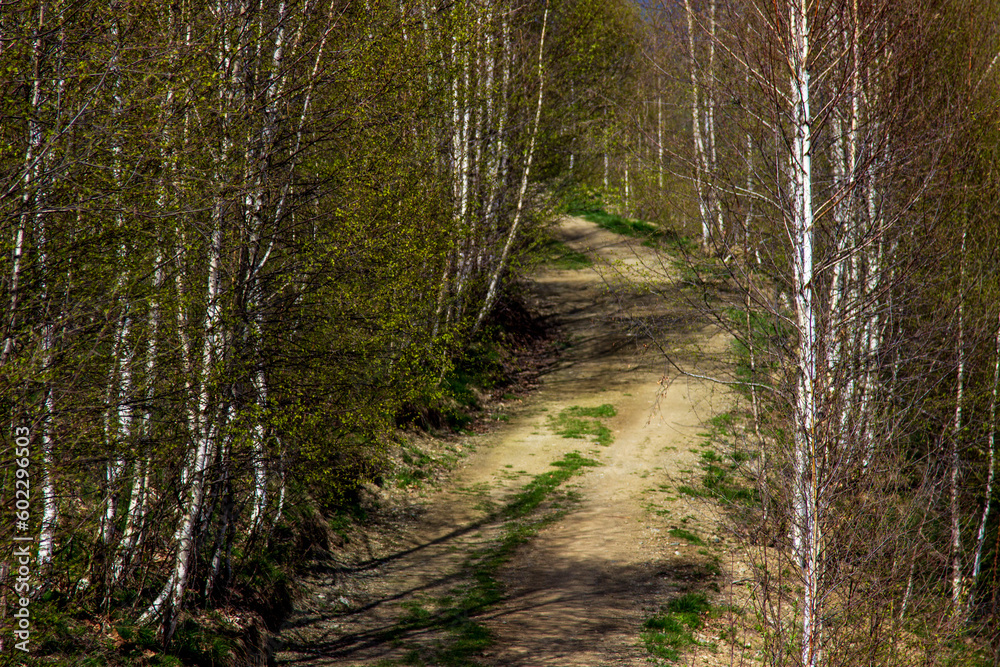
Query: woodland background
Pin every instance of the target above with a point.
(243, 242)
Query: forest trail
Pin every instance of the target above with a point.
(470, 575)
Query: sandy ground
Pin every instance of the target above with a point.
(579, 591)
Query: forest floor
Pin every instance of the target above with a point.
(562, 531)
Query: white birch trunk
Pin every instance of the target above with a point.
(119, 422)
(805, 520)
(605, 164)
(711, 159)
(466, 224)
(172, 594)
(276, 81)
(282, 487)
(259, 451)
(32, 174)
(136, 514)
(659, 135)
(628, 191)
(957, 578)
(46, 539)
(494, 148)
(139, 494)
(991, 469)
(204, 429)
(700, 157)
(491, 292)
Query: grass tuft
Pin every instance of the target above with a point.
(578, 422)
(673, 628)
(560, 256)
(682, 534)
(600, 412)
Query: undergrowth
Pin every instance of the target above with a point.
(511, 346)
(722, 476)
(672, 629)
(669, 633)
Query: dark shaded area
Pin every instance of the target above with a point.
(600, 588)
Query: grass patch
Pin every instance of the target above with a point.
(580, 423)
(589, 204)
(415, 466)
(722, 478)
(702, 272)
(672, 630)
(709, 456)
(529, 498)
(560, 256)
(722, 484)
(600, 412)
(723, 422)
(767, 334)
(682, 534)
(622, 225)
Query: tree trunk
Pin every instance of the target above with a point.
(700, 156)
(806, 520)
(491, 292)
(990, 473)
(957, 578)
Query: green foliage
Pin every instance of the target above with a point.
(483, 367)
(333, 467)
(478, 367)
(582, 200)
(202, 645)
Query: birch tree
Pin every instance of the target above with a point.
(818, 149)
(240, 239)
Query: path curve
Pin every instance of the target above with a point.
(577, 593)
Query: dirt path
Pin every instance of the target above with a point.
(587, 566)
